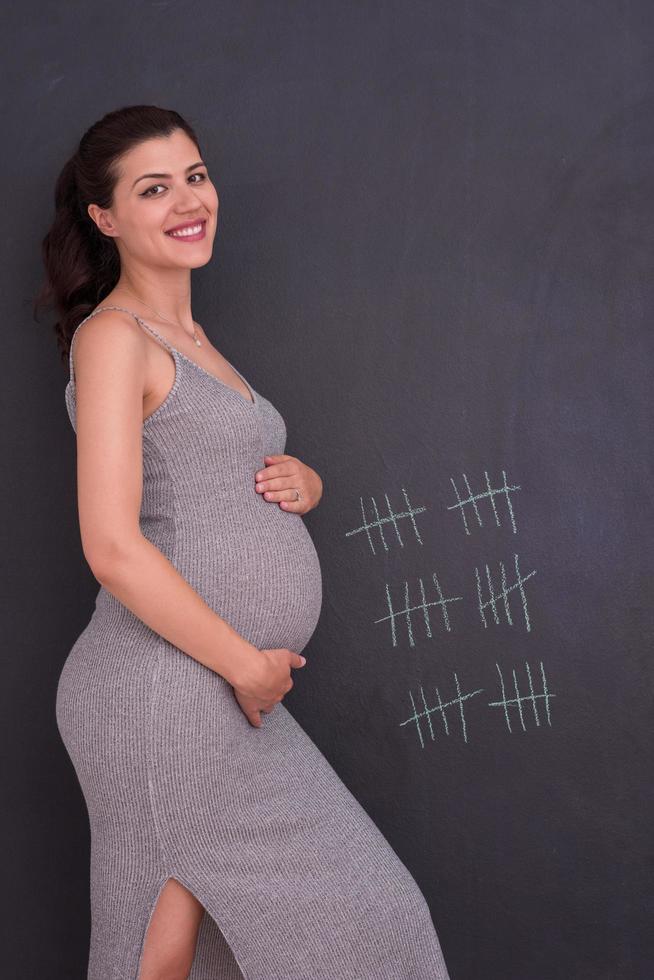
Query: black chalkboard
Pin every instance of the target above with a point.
(435, 256)
(471, 335)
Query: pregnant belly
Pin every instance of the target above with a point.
(261, 574)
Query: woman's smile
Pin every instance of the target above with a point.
(192, 231)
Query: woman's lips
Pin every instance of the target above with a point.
(186, 237)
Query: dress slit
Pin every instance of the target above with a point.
(214, 955)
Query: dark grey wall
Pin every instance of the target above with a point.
(435, 257)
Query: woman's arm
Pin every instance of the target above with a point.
(144, 580)
(110, 362)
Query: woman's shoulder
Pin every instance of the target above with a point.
(109, 336)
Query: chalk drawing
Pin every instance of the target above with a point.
(503, 595)
(518, 700)
(422, 607)
(422, 714)
(392, 518)
(440, 707)
(489, 494)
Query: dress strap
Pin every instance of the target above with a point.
(124, 310)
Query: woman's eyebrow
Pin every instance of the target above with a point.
(200, 163)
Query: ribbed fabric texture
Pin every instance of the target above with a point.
(297, 881)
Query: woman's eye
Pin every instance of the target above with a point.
(149, 193)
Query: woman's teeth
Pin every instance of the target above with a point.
(184, 232)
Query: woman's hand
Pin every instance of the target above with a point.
(267, 681)
(281, 477)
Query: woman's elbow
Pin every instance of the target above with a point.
(107, 554)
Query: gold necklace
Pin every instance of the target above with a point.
(196, 339)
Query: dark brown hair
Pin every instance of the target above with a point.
(82, 265)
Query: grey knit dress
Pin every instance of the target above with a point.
(297, 881)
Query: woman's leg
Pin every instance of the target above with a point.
(172, 933)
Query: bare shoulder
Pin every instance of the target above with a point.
(109, 339)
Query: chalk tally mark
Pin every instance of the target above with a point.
(530, 699)
(422, 608)
(495, 598)
(390, 518)
(524, 705)
(424, 713)
(471, 500)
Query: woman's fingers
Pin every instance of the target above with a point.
(253, 708)
(287, 494)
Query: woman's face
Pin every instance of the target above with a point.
(177, 192)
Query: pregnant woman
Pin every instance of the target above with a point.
(223, 844)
